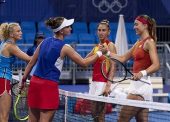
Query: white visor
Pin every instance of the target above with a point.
(66, 22)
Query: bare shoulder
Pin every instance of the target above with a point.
(150, 42)
(12, 47)
(112, 47)
(66, 50)
(67, 47)
(111, 44)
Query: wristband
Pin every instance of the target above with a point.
(144, 73)
(108, 53)
(99, 53)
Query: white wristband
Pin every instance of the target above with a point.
(108, 53)
(144, 73)
(99, 53)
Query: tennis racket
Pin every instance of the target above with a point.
(120, 70)
(20, 101)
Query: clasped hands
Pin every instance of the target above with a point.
(103, 48)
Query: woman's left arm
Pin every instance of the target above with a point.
(151, 47)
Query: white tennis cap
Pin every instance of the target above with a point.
(66, 22)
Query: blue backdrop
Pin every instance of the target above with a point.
(84, 10)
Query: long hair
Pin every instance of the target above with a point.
(151, 25)
(6, 29)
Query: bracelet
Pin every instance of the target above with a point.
(144, 73)
(108, 53)
(99, 53)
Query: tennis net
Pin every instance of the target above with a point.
(78, 107)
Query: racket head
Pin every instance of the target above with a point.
(20, 98)
(20, 102)
(120, 71)
(21, 108)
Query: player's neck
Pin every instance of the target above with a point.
(102, 41)
(144, 36)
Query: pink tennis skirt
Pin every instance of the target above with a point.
(43, 93)
(5, 86)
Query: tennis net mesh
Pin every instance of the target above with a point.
(78, 107)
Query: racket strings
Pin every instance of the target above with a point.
(21, 108)
(24, 91)
(20, 101)
(119, 71)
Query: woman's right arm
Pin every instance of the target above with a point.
(31, 63)
(14, 50)
(72, 54)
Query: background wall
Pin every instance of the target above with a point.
(84, 10)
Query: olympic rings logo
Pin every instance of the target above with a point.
(115, 6)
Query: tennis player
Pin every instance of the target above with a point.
(146, 62)
(10, 33)
(99, 85)
(43, 94)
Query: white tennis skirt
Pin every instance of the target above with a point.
(136, 87)
(96, 88)
(140, 88)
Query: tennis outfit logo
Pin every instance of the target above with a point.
(115, 6)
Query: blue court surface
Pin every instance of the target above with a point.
(75, 88)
